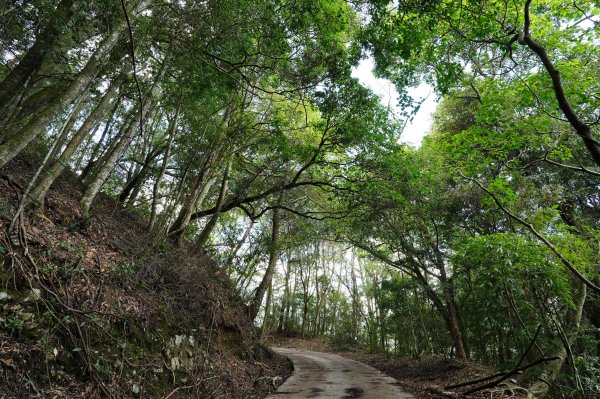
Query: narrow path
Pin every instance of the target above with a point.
(324, 375)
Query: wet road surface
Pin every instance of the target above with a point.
(324, 375)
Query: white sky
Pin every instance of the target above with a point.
(421, 123)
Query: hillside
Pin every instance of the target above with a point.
(199, 176)
(89, 310)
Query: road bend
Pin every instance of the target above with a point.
(324, 375)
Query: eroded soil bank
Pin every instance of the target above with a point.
(87, 310)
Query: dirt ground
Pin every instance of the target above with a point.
(424, 378)
(87, 311)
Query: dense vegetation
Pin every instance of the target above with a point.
(236, 128)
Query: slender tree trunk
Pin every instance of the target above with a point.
(239, 245)
(273, 254)
(447, 311)
(17, 140)
(9, 114)
(45, 42)
(96, 181)
(215, 216)
(285, 305)
(545, 375)
(265, 326)
(163, 168)
(451, 307)
(163, 223)
(108, 163)
(129, 192)
(57, 166)
(92, 159)
(583, 129)
(63, 134)
(185, 214)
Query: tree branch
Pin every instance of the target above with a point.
(134, 67)
(581, 128)
(539, 236)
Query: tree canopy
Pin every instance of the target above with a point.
(238, 128)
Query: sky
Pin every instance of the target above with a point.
(421, 123)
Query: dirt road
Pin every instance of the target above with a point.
(324, 375)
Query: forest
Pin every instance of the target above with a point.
(170, 168)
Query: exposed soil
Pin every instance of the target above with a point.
(425, 378)
(87, 310)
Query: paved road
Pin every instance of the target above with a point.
(324, 375)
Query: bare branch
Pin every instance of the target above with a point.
(134, 67)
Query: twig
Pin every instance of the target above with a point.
(571, 167)
(511, 373)
(515, 311)
(540, 237)
(134, 67)
(190, 386)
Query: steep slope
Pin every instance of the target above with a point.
(87, 310)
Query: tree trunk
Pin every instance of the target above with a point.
(137, 179)
(17, 140)
(185, 214)
(215, 216)
(582, 129)
(63, 135)
(96, 181)
(451, 307)
(273, 254)
(91, 161)
(239, 245)
(547, 373)
(14, 82)
(172, 131)
(57, 166)
(285, 301)
(108, 163)
(265, 326)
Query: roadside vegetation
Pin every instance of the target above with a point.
(182, 180)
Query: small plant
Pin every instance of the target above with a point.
(6, 209)
(127, 269)
(68, 246)
(13, 324)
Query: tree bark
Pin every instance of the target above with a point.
(191, 202)
(264, 330)
(163, 168)
(92, 159)
(14, 82)
(452, 314)
(547, 373)
(239, 245)
(96, 181)
(273, 255)
(204, 236)
(137, 179)
(17, 140)
(285, 301)
(57, 166)
(108, 163)
(581, 128)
